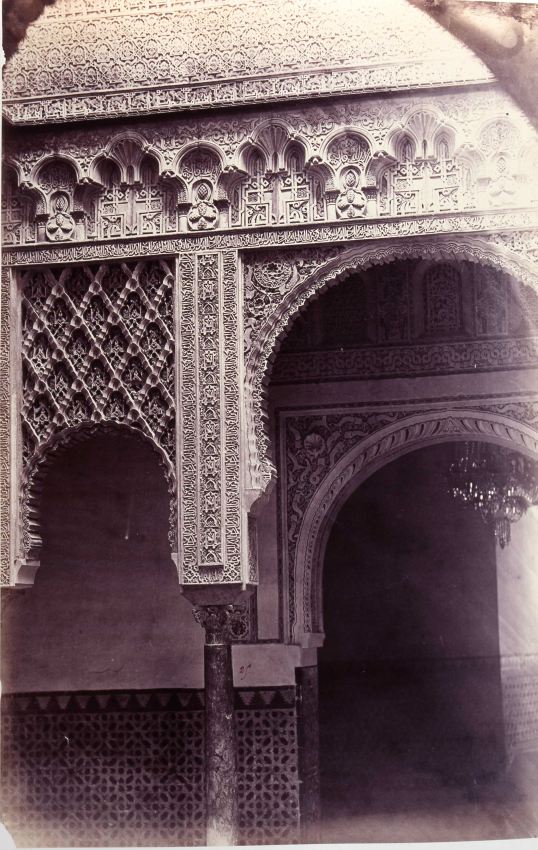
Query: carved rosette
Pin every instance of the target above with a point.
(223, 623)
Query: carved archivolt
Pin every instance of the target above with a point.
(97, 348)
(332, 453)
(278, 287)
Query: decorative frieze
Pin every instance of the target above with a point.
(514, 233)
(145, 62)
(326, 164)
(398, 361)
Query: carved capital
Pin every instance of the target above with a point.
(223, 623)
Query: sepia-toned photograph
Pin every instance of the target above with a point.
(268, 422)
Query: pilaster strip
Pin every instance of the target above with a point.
(210, 414)
(5, 426)
(231, 365)
(188, 424)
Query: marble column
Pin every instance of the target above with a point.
(223, 623)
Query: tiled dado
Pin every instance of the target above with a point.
(127, 767)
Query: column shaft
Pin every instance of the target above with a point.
(220, 746)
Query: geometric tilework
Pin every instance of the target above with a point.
(111, 777)
(520, 703)
(127, 768)
(268, 774)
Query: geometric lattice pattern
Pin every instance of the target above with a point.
(112, 776)
(98, 347)
(268, 771)
(127, 768)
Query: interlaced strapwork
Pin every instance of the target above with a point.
(98, 347)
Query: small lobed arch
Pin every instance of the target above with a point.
(207, 148)
(253, 159)
(56, 159)
(272, 137)
(418, 430)
(107, 171)
(12, 171)
(444, 136)
(294, 155)
(127, 149)
(35, 474)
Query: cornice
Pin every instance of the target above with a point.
(268, 237)
(282, 88)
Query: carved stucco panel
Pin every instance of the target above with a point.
(188, 56)
(6, 380)
(211, 537)
(97, 352)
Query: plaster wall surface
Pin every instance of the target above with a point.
(106, 609)
(411, 705)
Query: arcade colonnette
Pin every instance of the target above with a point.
(264, 250)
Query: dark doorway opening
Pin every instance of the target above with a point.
(100, 610)
(411, 714)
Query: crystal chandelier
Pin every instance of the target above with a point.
(499, 483)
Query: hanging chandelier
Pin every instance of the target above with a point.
(499, 483)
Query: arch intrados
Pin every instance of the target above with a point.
(35, 476)
(360, 463)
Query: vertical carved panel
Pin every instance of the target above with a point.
(211, 513)
(231, 411)
(210, 529)
(188, 419)
(5, 422)
(443, 300)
